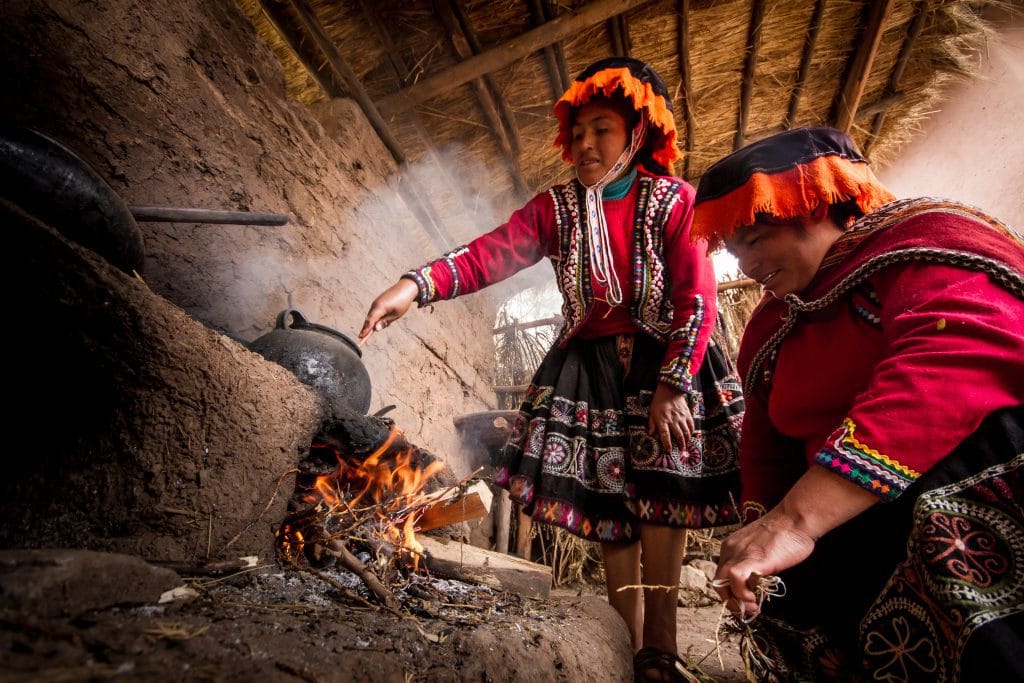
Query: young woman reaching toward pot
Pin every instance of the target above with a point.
(627, 435)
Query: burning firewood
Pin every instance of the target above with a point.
(361, 509)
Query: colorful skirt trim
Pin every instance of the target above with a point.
(580, 458)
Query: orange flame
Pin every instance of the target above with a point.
(387, 482)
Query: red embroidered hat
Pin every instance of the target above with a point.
(784, 176)
(637, 84)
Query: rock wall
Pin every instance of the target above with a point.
(178, 103)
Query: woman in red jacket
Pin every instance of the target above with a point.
(883, 440)
(627, 435)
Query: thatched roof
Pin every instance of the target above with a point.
(480, 76)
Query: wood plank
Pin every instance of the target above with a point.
(860, 69)
(749, 71)
(505, 54)
(458, 506)
(499, 571)
(805, 62)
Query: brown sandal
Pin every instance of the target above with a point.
(668, 667)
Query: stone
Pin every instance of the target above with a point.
(52, 583)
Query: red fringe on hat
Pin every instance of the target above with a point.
(644, 99)
(797, 191)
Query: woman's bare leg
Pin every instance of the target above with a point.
(662, 550)
(622, 568)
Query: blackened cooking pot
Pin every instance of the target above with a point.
(319, 356)
(56, 186)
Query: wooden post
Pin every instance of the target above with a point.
(686, 94)
(523, 539)
(502, 521)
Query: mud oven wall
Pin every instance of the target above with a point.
(180, 104)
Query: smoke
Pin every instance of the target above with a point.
(332, 267)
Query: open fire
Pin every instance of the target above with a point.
(368, 507)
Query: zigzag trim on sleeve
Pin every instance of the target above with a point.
(851, 459)
(677, 373)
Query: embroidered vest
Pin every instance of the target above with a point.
(650, 307)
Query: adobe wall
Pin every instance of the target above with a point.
(180, 104)
(971, 149)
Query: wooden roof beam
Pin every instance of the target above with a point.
(913, 33)
(686, 96)
(860, 67)
(329, 79)
(749, 70)
(448, 12)
(337, 62)
(507, 117)
(402, 75)
(505, 54)
(805, 63)
(618, 28)
(554, 56)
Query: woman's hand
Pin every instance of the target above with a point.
(818, 502)
(669, 417)
(391, 305)
(762, 548)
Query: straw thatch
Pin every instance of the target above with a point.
(473, 178)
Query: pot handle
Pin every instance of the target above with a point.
(291, 317)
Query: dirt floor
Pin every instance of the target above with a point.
(274, 624)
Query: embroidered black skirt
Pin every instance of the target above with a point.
(929, 587)
(580, 457)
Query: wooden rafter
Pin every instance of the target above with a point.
(551, 59)
(618, 29)
(295, 27)
(892, 89)
(860, 68)
(337, 62)
(402, 75)
(805, 62)
(283, 22)
(448, 12)
(507, 117)
(686, 96)
(749, 71)
(505, 54)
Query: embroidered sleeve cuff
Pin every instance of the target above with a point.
(421, 276)
(851, 459)
(678, 372)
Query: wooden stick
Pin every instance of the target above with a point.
(550, 61)
(686, 95)
(805, 62)
(337, 549)
(505, 54)
(860, 69)
(523, 537)
(168, 214)
(749, 69)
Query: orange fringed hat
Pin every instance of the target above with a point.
(786, 175)
(638, 84)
